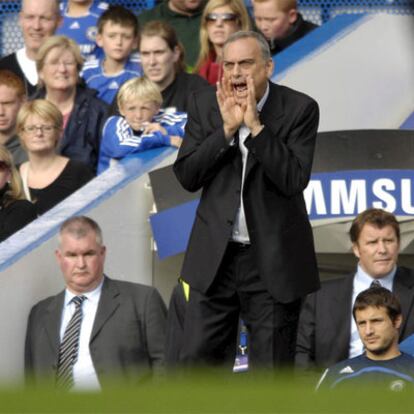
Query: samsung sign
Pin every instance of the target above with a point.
(346, 193)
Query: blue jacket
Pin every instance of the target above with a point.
(119, 139)
(82, 135)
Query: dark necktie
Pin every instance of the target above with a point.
(375, 283)
(68, 350)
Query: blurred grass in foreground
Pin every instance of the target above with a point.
(210, 393)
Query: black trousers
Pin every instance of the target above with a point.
(211, 322)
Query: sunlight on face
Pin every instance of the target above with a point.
(138, 113)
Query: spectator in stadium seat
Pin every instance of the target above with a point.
(12, 96)
(121, 334)
(59, 62)
(327, 332)
(377, 314)
(15, 211)
(118, 37)
(142, 125)
(185, 17)
(280, 23)
(38, 20)
(162, 59)
(220, 19)
(80, 24)
(47, 177)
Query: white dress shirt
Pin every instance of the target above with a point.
(84, 373)
(28, 66)
(240, 233)
(362, 281)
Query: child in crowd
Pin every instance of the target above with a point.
(142, 125)
(79, 23)
(118, 37)
(280, 23)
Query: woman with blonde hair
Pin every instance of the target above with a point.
(47, 177)
(15, 212)
(220, 19)
(58, 64)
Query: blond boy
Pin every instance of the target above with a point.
(142, 125)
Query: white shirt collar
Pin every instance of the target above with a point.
(92, 296)
(27, 65)
(263, 100)
(364, 279)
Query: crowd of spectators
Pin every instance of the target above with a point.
(95, 83)
(78, 54)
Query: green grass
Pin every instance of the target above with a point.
(209, 393)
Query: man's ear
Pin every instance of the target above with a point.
(398, 321)
(292, 16)
(355, 249)
(58, 255)
(270, 67)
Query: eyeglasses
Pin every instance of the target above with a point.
(44, 129)
(4, 166)
(56, 63)
(224, 17)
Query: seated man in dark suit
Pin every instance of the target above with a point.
(38, 20)
(377, 314)
(327, 333)
(98, 328)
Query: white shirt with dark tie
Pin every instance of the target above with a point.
(240, 233)
(84, 373)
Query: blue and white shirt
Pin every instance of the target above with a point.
(120, 140)
(394, 374)
(108, 85)
(83, 29)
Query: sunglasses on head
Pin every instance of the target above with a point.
(225, 17)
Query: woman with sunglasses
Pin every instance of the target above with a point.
(220, 19)
(47, 177)
(15, 212)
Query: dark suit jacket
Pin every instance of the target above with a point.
(127, 338)
(325, 321)
(278, 169)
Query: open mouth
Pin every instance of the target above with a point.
(240, 87)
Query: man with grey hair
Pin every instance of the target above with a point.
(249, 147)
(98, 329)
(38, 20)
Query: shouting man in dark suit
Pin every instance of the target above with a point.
(97, 329)
(327, 331)
(249, 146)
